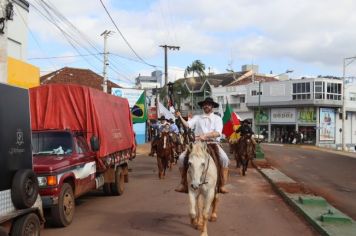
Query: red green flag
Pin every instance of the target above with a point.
(230, 121)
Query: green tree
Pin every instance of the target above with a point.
(197, 67)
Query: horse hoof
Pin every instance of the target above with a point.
(213, 218)
(200, 227)
(194, 223)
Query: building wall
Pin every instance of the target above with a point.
(22, 74)
(18, 31)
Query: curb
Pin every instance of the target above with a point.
(290, 202)
(321, 227)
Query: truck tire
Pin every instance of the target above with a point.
(3, 231)
(107, 189)
(117, 188)
(63, 212)
(24, 189)
(28, 224)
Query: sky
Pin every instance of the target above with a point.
(310, 37)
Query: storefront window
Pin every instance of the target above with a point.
(307, 134)
(282, 133)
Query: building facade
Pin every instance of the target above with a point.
(19, 72)
(310, 106)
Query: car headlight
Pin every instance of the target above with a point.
(50, 180)
(42, 181)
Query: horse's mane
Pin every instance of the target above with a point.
(199, 150)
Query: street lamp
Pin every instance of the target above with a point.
(344, 98)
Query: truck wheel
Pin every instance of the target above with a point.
(24, 189)
(26, 225)
(117, 188)
(107, 189)
(62, 214)
(3, 231)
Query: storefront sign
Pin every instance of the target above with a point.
(327, 124)
(132, 95)
(283, 115)
(306, 115)
(263, 117)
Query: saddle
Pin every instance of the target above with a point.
(213, 151)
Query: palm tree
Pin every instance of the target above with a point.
(196, 67)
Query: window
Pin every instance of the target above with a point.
(255, 93)
(333, 91)
(242, 99)
(220, 99)
(352, 96)
(301, 91)
(82, 146)
(319, 90)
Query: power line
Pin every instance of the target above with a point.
(123, 37)
(70, 37)
(61, 57)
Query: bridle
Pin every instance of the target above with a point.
(205, 173)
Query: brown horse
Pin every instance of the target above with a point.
(164, 153)
(244, 152)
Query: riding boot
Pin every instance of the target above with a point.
(225, 173)
(183, 186)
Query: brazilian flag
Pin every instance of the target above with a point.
(139, 110)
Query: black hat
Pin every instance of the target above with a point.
(246, 121)
(208, 100)
(162, 118)
(171, 120)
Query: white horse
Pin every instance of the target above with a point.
(202, 180)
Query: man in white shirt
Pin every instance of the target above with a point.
(207, 126)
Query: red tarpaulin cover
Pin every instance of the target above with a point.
(79, 108)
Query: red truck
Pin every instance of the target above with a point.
(82, 140)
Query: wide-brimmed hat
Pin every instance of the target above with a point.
(171, 121)
(208, 100)
(246, 121)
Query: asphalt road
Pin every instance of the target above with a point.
(150, 207)
(327, 174)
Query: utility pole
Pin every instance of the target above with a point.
(166, 61)
(6, 13)
(106, 34)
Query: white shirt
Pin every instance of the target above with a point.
(206, 123)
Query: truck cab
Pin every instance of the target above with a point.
(66, 169)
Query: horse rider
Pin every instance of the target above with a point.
(174, 130)
(246, 132)
(161, 126)
(207, 127)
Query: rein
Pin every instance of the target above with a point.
(206, 172)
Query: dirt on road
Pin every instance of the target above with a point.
(150, 207)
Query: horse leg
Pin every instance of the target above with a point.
(246, 165)
(214, 205)
(160, 167)
(193, 209)
(209, 198)
(200, 207)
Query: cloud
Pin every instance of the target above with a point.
(319, 32)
